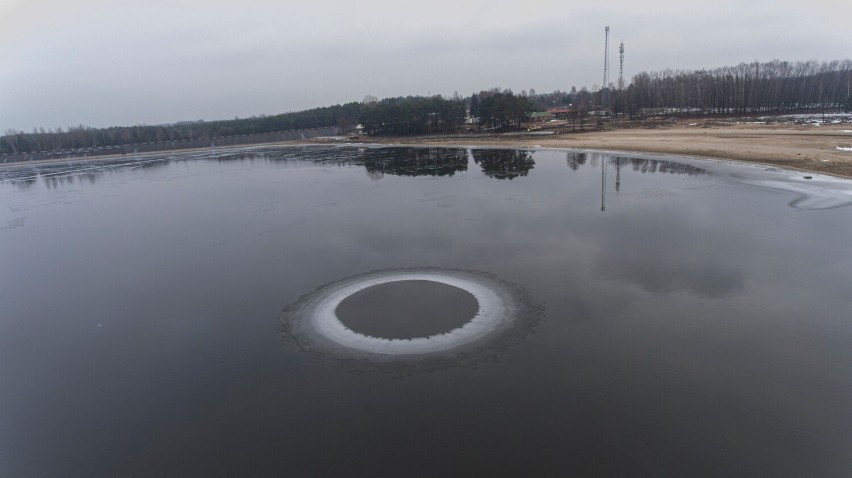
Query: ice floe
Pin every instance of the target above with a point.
(314, 319)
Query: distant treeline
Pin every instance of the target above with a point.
(493, 109)
(413, 115)
(391, 116)
(498, 109)
(84, 137)
(776, 87)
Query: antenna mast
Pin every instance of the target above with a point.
(621, 66)
(605, 90)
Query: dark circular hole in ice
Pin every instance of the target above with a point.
(407, 309)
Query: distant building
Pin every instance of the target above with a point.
(561, 113)
(540, 116)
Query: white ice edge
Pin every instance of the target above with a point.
(491, 315)
(815, 195)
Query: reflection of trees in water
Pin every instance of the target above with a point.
(503, 163)
(657, 166)
(307, 153)
(57, 182)
(226, 158)
(58, 175)
(413, 161)
(24, 183)
(576, 160)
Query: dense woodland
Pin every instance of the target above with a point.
(413, 115)
(497, 109)
(775, 87)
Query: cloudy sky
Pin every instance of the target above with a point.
(103, 63)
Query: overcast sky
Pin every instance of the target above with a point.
(104, 63)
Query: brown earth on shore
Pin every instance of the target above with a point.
(802, 147)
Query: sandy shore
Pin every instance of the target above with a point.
(805, 148)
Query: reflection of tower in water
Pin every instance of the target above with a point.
(603, 184)
(604, 162)
(576, 160)
(617, 174)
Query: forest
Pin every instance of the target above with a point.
(84, 137)
(413, 115)
(775, 87)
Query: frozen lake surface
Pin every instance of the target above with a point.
(649, 316)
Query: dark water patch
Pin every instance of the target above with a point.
(407, 309)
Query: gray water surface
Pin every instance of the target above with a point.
(695, 316)
(407, 309)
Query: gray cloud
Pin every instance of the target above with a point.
(102, 63)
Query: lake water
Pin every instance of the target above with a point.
(674, 317)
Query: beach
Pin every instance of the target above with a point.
(825, 149)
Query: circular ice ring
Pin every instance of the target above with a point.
(491, 316)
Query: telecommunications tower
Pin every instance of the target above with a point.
(605, 90)
(621, 66)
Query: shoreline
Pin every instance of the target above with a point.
(801, 148)
(798, 148)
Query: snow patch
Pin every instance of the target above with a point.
(814, 119)
(841, 148)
